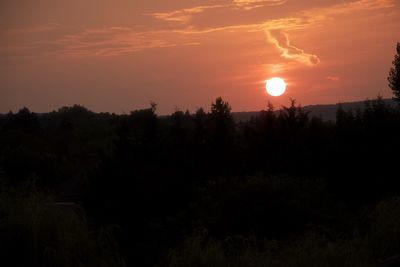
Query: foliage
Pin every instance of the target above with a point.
(283, 189)
(379, 241)
(394, 74)
(37, 231)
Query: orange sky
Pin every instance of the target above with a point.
(118, 55)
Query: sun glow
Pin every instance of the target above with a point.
(275, 86)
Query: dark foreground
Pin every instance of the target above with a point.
(86, 189)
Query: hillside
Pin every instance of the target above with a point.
(325, 111)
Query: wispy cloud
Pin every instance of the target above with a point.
(252, 4)
(360, 5)
(183, 15)
(186, 14)
(34, 29)
(110, 41)
(281, 41)
(276, 30)
(332, 78)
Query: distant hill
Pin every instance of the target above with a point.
(326, 112)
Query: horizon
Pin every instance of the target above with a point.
(206, 109)
(119, 56)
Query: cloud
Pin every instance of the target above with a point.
(360, 5)
(281, 41)
(252, 4)
(120, 40)
(332, 78)
(110, 41)
(266, 2)
(185, 15)
(34, 29)
(276, 30)
(321, 14)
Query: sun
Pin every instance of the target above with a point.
(275, 86)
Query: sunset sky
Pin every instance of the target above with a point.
(118, 55)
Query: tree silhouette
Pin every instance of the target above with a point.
(222, 123)
(394, 75)
(158, 179)
(200, 118)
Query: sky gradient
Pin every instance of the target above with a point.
(119, 55)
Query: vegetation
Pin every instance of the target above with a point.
(318, 247)
(394, 74)
(280, 182)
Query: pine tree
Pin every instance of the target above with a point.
(394, 75)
